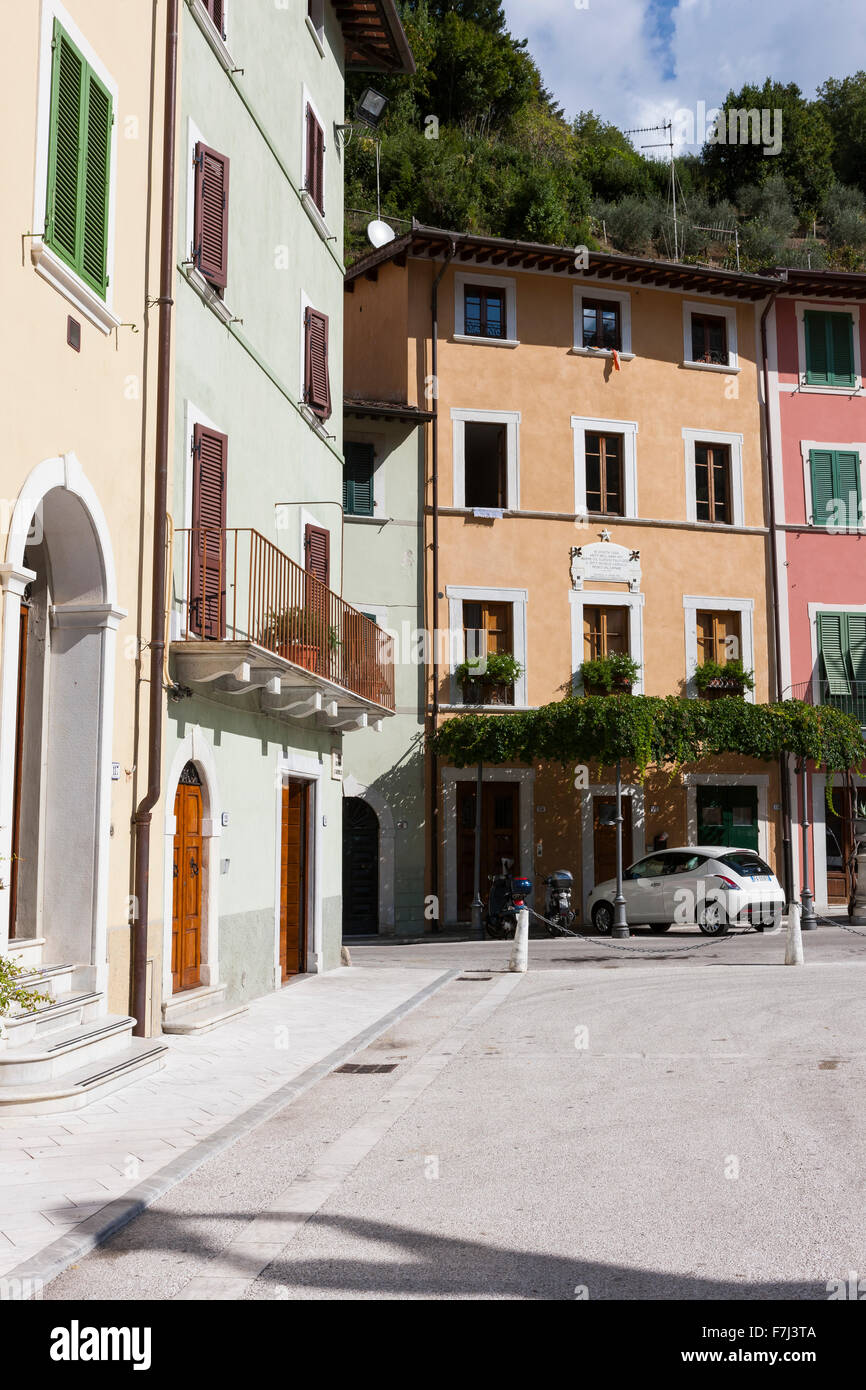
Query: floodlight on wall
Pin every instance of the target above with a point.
(370, 107)
(379, 233)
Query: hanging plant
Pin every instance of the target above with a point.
(606, 674)
(713, 679)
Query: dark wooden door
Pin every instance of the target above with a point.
(500, 803)
(294, 856)
(839, 834)
(360, 868)
(24, 631)
(604, 836)
(188, 877)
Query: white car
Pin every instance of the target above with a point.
(715, 886)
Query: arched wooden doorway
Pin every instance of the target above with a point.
(188, 879)
(360, 868)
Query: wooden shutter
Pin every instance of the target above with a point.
(847, 484)
(857, 645)
(841, 333)
(821, 468)
(832, 641)
(358, 480)
(315, 182)
(317, 552)
(208, 569)
(211, 231)
(79, 164)
(317, 386)
(817, 361)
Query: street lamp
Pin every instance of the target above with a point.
(620, 920)
(808, 920)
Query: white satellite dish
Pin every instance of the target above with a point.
(379, 233)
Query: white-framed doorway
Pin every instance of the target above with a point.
(759, 780)
(525, 779)
(587, 837)
(305, 768)
(387, 856)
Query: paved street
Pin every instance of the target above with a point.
(687, 1127)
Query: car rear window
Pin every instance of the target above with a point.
(746, 863)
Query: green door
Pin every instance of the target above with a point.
(728, 816)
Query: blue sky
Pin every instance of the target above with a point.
(637, 61)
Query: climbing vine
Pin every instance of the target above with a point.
(649, 730)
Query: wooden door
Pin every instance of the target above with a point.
(604, 836)
(500, 803)
(728, 816)
(187, 883)
(839, 832)
(23, 634)
(294, 878)
(360, 868)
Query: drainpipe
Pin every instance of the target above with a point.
(434, 761)
(144, 812)
(787, 853)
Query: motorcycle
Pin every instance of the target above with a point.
(507, 896)
(557, 903)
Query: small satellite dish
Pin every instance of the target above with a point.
(379, 233)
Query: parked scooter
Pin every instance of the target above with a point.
(557, 903)
(507, 896)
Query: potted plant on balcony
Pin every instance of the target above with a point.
(609, 675)
(714, 680)
(489, 680)
(299, 634)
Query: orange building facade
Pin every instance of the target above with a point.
(593, 484)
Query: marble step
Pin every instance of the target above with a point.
(93, 1081)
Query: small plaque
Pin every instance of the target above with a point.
(337, 764)
(115, 772)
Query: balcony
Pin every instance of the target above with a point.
(249, 621)
(844, 694)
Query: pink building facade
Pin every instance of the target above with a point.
(816, 340)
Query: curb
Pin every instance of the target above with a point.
(53, 1259)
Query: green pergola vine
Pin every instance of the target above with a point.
(650, 731)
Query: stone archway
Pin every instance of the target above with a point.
(56, 716)
(353, 788)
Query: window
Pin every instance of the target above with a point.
(604, 473)
(314, 169)
(217, 11)
(79, 164)
(709, 339)
(713, 483)
(316, 14)
(317, 552)
(207, 599)
(653, 867)
(484, 312)
(211, 220)
(317, 385)
(605, 631)
(835, 482)
(488, 627)
(829, 340)
(842, 646)
(601, 324)
(718, 636)
(485, 475)
(358, 479)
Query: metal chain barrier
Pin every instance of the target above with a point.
(636, 950)
(838, 922)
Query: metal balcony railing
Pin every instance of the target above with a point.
(234, 585)
(847, 695)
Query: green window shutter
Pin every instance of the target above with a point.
(97, 173)
(821, 469)
(358, 479)
(841, 335)
(65, 145)
(846, 482)
(832, 642)
(857, 644)
(817, 357)
(79, 163)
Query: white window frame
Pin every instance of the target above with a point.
(695, 603)
(201, 286)
(46, 262)
(806, 447)
(735, 444)
(497, 282)
(583, 425)
(726, 311)
(598, 292)
(316, 26)
(518, 598)
(379, 443)
(606, 598)
(837, 306)
(511, 419)
(312, 211)
(212, 34)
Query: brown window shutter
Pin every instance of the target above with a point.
(315, 161)
(317, 552)
(211, 232)
(216, 9)
(317, 386)
(208, 567)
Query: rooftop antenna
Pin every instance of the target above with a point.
(666, 126)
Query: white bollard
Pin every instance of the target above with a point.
(794, 945)
(520, 949)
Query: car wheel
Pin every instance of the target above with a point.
(658, 928)
(602, 918)
(713, 921)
